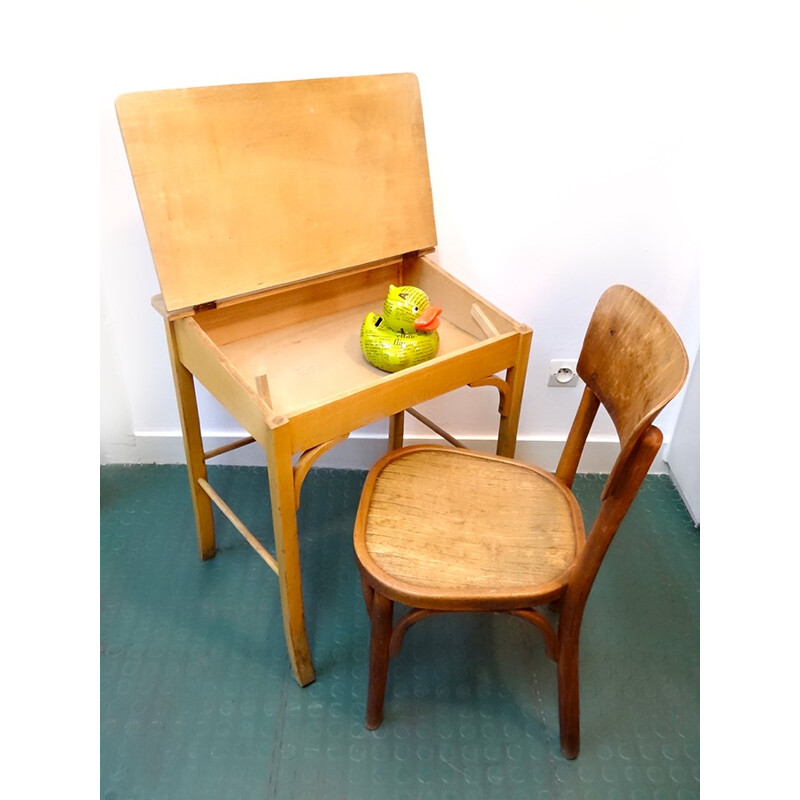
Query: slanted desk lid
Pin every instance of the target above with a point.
(256, 185)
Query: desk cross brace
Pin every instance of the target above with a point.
(505, 394)
(239, 525)
(304, 463)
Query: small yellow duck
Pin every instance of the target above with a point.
(405, 334)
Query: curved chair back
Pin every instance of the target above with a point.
(633, 363)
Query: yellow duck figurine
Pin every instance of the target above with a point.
(405, 334)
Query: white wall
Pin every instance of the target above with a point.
(683, 456)
(562, 145)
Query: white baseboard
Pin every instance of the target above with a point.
(690, 499)
(359, 451)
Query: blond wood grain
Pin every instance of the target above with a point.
(300, 303)
(199, 354)
(512, 403)
(227, 448)
(503, 387)
(262, 387)
(454, 296)
(283, 503)
(307, 460)
(429, 423)
(250, 186)
(239, 525)
(192, 444)
(486, 325)
(397, 424)
(393, 393)
(319, 358)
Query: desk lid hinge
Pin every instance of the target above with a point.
(210, 306)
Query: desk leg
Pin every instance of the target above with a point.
(396, 427)
(515, 377)
(287, 552)
(193, 447)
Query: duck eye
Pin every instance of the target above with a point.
(416, 308)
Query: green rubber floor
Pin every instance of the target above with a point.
(198, 702)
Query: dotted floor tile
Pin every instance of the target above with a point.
(197, 698)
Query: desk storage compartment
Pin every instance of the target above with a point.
(298, 346)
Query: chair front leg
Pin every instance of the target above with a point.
(369, 594)
(381, 616)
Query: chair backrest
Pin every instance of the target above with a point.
(633, 363)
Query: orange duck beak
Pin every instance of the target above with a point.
(428, 320)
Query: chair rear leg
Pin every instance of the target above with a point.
(569, 699)
(381, 615)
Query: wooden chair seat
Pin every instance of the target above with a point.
(446, 526)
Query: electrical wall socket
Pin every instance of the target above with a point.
(563, 372)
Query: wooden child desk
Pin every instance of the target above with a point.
(277, 215)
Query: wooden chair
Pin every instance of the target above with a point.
(443, 529)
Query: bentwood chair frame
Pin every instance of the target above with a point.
(633, 363)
